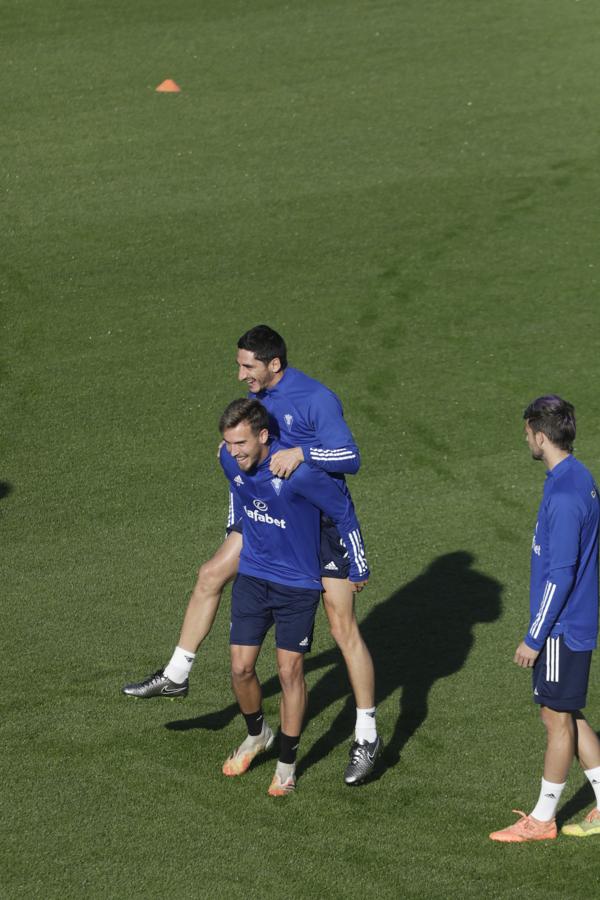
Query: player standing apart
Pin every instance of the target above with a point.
(307, 419)
(563, 623)
(279, 578)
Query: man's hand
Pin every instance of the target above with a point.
(284, 462)
(525, 656)
(357, 586)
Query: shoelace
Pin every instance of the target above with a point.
(519, 812)
(525, 820)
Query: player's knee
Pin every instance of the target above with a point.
(547, 716)
(291, 673)
(344, 630)
(211, 576)
(555, 721)
(241, 670)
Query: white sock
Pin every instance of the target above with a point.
(180, 665)
(593, 776)
(545, 808)
(366, 727)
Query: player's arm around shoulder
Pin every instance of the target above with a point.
(314, 485)
(334, 449)
(284, 463)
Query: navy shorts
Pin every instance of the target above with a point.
(256, 604)
(560, 676)
(335, 562)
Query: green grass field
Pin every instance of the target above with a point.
(408, 191)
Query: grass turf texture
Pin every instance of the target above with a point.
(407, 191)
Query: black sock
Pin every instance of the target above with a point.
(288, 747)
(254, 722)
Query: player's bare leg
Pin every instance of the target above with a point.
(202, 607)
(338, 600)
(290, 666)
(244, 680)
(560, 744)
(587, 748)
(560, 751)
(172, 680)
(540, 824)
(587, 743)
(248, 693)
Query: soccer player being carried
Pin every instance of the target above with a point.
(308, 422)
(279, 577)
(563, 624)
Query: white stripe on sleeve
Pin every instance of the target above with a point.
(231, 515)
(358, 551)
(320, 451)
(543, 610)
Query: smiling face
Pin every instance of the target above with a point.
(247, 448)
(257, 375)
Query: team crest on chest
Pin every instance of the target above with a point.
(288, 419)
(277, 484)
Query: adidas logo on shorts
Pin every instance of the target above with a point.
(331, 566)
(304, 642)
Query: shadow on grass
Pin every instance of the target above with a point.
(5, 489)
(422, 633)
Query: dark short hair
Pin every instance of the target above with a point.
(554, 417)
(244, 410)
(265, 343)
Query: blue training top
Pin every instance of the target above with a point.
(563, 595)
(281, 522)
(304, 413)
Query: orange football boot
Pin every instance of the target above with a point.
(526, 829)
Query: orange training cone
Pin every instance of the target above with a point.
(168, 86)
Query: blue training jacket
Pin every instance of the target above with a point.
(304, 413)
(281, 522)
(563, 596)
